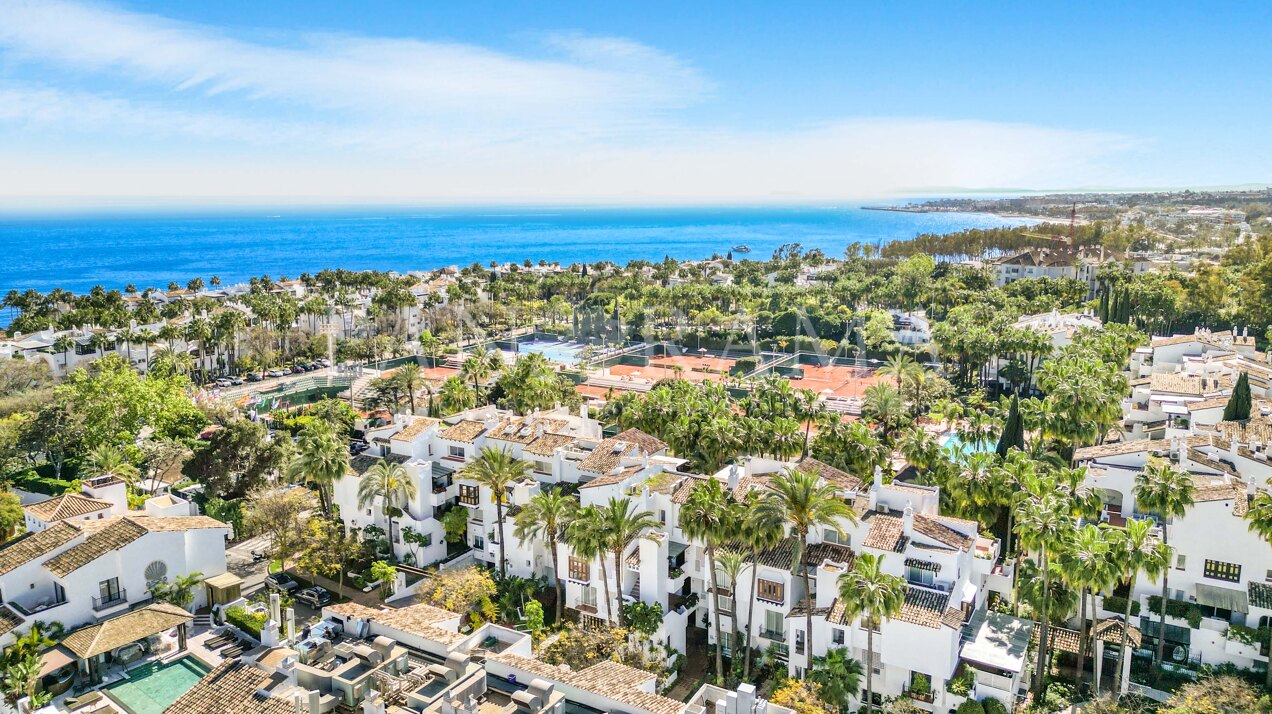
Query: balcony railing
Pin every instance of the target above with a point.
(775, 635)
(584, 607)
(114, 599)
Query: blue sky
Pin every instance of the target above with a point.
(640, 102)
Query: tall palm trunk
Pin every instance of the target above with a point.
(869, 666)
(499, 521)
(1080, 665)
(1044, 632)
(556, 576)
(715, 611)
(618, 587)
(605, 585)
(750, 613)
(808, 596)
(1126, 625)
(1161, 621)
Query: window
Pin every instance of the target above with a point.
(1268, 575)
(774, 625)
(580, 570)
(725, 604)
(589, 596)
(662, 518)
(837, 636)
(829, 535)
(469, 495)
(543, 467)
(799, 642)
(427, 540)
(1180, 561)
(1219, 570)
(920, 576)
(456, 452)
(770, 591)
(876, 660)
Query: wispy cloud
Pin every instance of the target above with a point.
(583, 117)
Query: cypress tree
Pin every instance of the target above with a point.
(1013, 429)
(1238, 407)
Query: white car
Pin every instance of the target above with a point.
(223, 382)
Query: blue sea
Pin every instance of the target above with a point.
(150, 250)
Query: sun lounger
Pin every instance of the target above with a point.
(83, 701)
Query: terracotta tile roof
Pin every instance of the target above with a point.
(117, 534)
(1110, 630)
(940, 532)
(417, 426)
(69, 505)
(954, 618)
(842, 479)
(23, 550)
(924, 607)
(523, 430)
(111, 534)
(465, 431)
(359, 465)
(609, 453)
(681, 493)
(1190, 384)
(907, 488)
(1119, 448)
(8, 619)
(608, 679)
(118, 631)
(419, 619)
(610, 479)
(1216, 403)
(922, 564)
(1260, 594)
(1200, 457)
(887, 532)
(747, 484)
(1206, 491)
(230, 688)
(547, 444)
(1062, 639)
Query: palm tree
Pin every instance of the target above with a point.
(322, 459)
(587, 537)
(1137, 550)
(496, 469)
(1167, 493)
(1259, 516)
(408, 375)
(874, 596)
(480, 366)
(804, 501)
(623, 525)
(63, 344)
(390, 483)
(1086, 565)
(884, 406)
(179, 592)
(704, 517)
(731, 563)
(1044, 525)
(809, 407)
(760, 531)
(545, 518)
(839, 678)
(107, 461)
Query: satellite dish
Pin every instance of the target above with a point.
(1178, 654)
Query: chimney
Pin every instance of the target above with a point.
(315, 702)
(746, 697)
(735, 475)
(878, 477)
(907, 519)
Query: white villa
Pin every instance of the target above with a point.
(89, 558)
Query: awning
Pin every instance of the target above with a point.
(1174, 633)
(224, 580)
(1223, 598)
(674, 549)
(1001, 642)
(55, 659)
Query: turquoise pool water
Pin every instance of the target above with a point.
(151, 688)
(563, 352)
(954, 443)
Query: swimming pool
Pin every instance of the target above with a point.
(152, 688)
(563, 352)
(953, 442)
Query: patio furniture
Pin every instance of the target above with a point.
(84, 701)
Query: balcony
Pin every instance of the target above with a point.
(115, 600)
(774, 635)
(584, 607)
(41, 605)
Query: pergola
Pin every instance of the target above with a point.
(91, 644)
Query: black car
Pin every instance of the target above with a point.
(314, 597)
(253, 377)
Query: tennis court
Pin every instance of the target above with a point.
(837, 381)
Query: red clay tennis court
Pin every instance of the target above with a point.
(653, 373)
(696, 364)
(840, 380)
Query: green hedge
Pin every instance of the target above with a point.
(32, 480)
(248, 622)
(1176, 608)
(1113, 603)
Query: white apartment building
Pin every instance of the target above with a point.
(83, 565)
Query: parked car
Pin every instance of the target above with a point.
(276, 373)
(281, 582)
(224, 382)
(299, 368)
(254, 377)
(314, 597)
(236, 381)
(284, 371)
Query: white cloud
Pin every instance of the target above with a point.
(590, 118)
